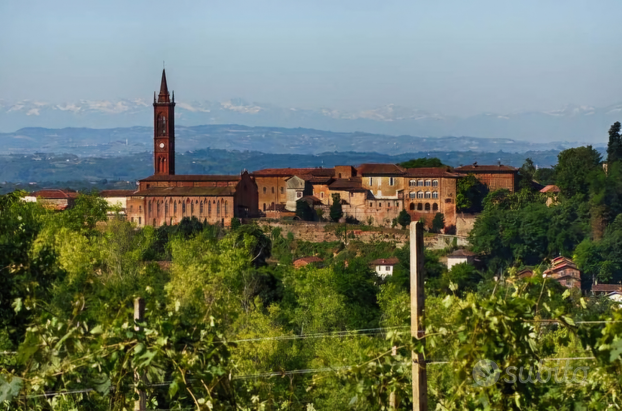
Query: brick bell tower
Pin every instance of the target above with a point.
(164, 131)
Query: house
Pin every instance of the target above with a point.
(495, 177)
(53, 198)
(384, 266)
(304, 261)
(460, 256)
(551, 192)
(117, 199)
(525, 273)
(612, 291)
(565, 271)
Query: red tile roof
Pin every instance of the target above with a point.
(372, 169)
(116, 193)
(606, 288)
(461, 253)
(550, 189)
(385, 261)
(441, 172)
(476, 168)
(284, 172)
(191, 177)
(54, 193)
(185, 191)
(347, 184)
(301, 262)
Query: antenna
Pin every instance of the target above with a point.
(163, 65)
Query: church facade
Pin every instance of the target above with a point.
(166, 198)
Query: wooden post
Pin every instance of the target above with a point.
(139, 315)
(417, 304)
(393, 395)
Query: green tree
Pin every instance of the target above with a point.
(545, 176)
(422, 162)
(526, 174)
(235, 223)
(336, 211)
(403, 219)
(573, 170)
(470, 193)
(614, 147)
(438, 223)
(304, 211)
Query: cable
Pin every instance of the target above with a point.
(332, 334)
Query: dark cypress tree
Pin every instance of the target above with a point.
(614, 148)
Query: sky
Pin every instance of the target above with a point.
(453, 57)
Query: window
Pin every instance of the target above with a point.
(166, 208)
(264, 190)
(420, 207)
(397, 204)
(131, 209)
(140, 209)
(132, 219)
(209, 208)
(158, 207)
(321, 195)
(419, 194)
(371, 181)
(298, 194)
(191, 208)
(388, 204)
(140, 220)
(371, 204)
(264, 206)
(434, 207)
(339, 175)
(282, 190)
(435, 194)
(149, 206)
(412, 194)
(226, 208)
(174, 208)
(272, 190)
(434, 183)
(201, 208)
(183, 208)
(420, 183)
(379, 204)
(428, 183)
(412, 183)
(428, 194)
(427, 206)
(218, 209)
(412, 206)
(154, 222)
(391, 181)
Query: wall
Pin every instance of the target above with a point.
(464, 223)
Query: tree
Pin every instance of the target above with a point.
(304, 211)
(470, 193)
(614, 147)
(526, 174)
(235, 223)
(336, 211)
(573, 170)
(438, 223)
(403, 219)
(422, 162)
(545, 176)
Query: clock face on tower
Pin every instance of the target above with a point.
(161, 145)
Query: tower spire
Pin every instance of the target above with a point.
(163, 97)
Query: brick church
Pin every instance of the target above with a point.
(166, 198)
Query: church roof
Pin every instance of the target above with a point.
(185, 191)
(192, 177)
(163, 97)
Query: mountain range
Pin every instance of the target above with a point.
(584, 124)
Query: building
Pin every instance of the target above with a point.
(116, 199)
(612, 291)
(494, 177)
(551, 191)
(564, 271)
(304, 261)
(459, 257)
(54, 198)
(384, 266)
(166, 198)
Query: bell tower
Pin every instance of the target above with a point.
(164, 131)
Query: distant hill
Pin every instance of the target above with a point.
(47, 168)
(570, 123)
(276, 140)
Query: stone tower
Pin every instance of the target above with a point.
(164, 131)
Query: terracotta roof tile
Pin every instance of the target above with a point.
(475, 168)
(385, 261)
(461, 253)
(54, 193)
(193, 177)
(445, 172)
(606, 287)
(283, 172)
(550, 189)
(185, 191)
(116, 193)
(372, 169)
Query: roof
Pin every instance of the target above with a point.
(550, 189)
(116, 193)
(163, 97)
(476, 168)
(284, 172)
(320, 179)
(185, 191)
(311, 199)
(385, 261)
(347, 184)
(525, 272)
(55, 193)
(301, 262)
(461, 253)
(606, 288)
(445, 172)
(372, 169)
(193, 177)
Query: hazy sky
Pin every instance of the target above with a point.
(449, 56)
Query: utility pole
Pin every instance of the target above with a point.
(417, 304)
(139, 315)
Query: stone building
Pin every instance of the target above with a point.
(117, 199)
(166, 198)
(494, 177)
(564, 271)
(54, 198)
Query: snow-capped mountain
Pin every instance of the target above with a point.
(570, 123)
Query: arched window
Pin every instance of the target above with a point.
(158, 207)
(264, 206)
(412, 206)
(428, 194)
(412, 194)
(420, 207)
(412, 183)
(209, 208)
(161, 125)
(420, 183)
(174, 208)
(183, 208)
(434, 207)
(154, 223)
(428, 183)
(419, 194)
(427, 206)
(379, 204)
(191, 208)
(226, 208)
(149, 206)
(321, 195)
(435, 194)
(434, 183)
(201, 208)
(272, 190)
(166, 208)
(218, 209)
(282, 190)
(264, 190)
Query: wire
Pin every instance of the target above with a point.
(332, 334)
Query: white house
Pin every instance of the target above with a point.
(459, 257)
(384, 266)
